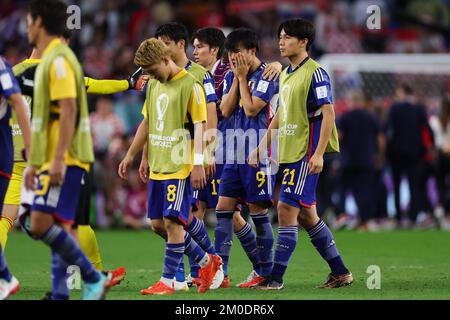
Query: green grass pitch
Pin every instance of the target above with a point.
(414, 265)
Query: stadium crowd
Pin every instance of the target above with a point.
(377, 143)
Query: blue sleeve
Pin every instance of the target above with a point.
(8, 82)
(227, 82)
(265, 89)
(208, 85)
(320, 90)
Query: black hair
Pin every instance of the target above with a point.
(174, 31)
(67, 33)
(406, 88)
(299, 28)
(244, 36)
(53, 14)
(213, 37)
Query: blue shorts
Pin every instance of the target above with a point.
(60, 201)
(170, 199)
(247, 184)
(209, 194)
(298, 188)
(4, 183)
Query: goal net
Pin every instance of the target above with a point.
(378, 75)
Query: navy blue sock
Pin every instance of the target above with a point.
(63, 244)
(194, 267)
(224, 236)
(192, 249)
(198, 231)
(4, 271)
(323, 240)
(265, 240)
(248, 241)
(172, 259)
(60, 290)
(286, 243)
(180, 274)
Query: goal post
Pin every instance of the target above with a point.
(378, 75)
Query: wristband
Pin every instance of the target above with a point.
(198, 159)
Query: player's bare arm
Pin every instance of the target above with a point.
(138, 143)
(211, 133)
(198, 177)
(252, 105)
(315, 164)
(266, 140)
(144, 169)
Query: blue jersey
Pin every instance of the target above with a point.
(8, 86)
(266, 91)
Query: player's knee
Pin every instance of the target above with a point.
(238, 221)
(307, 218)
(159, 229)
(199, 213)
(286, 216)
(36, 232)
(303, 219)
(283, 209)
(225, 204)
(173, 225)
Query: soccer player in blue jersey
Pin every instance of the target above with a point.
(10, 97)
(248, 101)
(305, 119)
(208, 46)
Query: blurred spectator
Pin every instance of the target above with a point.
(97, 60)
(107, 130)
(361, 141)
(441, 128)
(105, 125)
(405, 150)
(135, 212)
(434, 12)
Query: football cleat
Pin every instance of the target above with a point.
(196, 282)
(160, 288)
(337, 281)
(180, 286)
(8, 288)
(218, 279)
(97, 290)
(269, 284)
(118, 275)
(208, 272)
(252, 280)
(225, 283)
